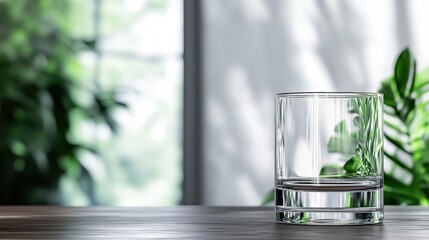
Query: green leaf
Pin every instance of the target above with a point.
(422, 79)
(344, 144)
(90, 44)
(390, 111)
(331, 169)
(268, 198)
(397, 143)
(399, 196)
(353, 165)
(120, 104)
(388, 92)
(391, 181)
(352, 106)
(341, 127)
(407, 110)
(405, 71)
(396, 127)
(398, 162)
(357, 121)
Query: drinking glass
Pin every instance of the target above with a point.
(329, 158)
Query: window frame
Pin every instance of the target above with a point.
(192, 97)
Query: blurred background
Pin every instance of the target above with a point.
(167, 102)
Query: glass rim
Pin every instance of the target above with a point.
(328, 94)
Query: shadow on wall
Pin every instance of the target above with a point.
(254, 49)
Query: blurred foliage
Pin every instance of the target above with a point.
(39, 92)
(406, 123)
(406, 111)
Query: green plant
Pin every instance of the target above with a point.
(40, 97)
(406, 120)
(362, 149)
(406, 128)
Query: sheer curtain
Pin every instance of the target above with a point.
(253, 49)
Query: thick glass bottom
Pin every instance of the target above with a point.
(325, 206)
(351, 216)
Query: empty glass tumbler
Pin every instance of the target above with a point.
(329, 158)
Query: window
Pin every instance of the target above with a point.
(139, 54)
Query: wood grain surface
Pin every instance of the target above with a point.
(194, 222)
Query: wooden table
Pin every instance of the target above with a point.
(194, 222)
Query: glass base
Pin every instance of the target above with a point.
(356, 207)
(330, 217)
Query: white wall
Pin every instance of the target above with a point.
(255, 48)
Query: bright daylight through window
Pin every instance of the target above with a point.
(140, 56)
